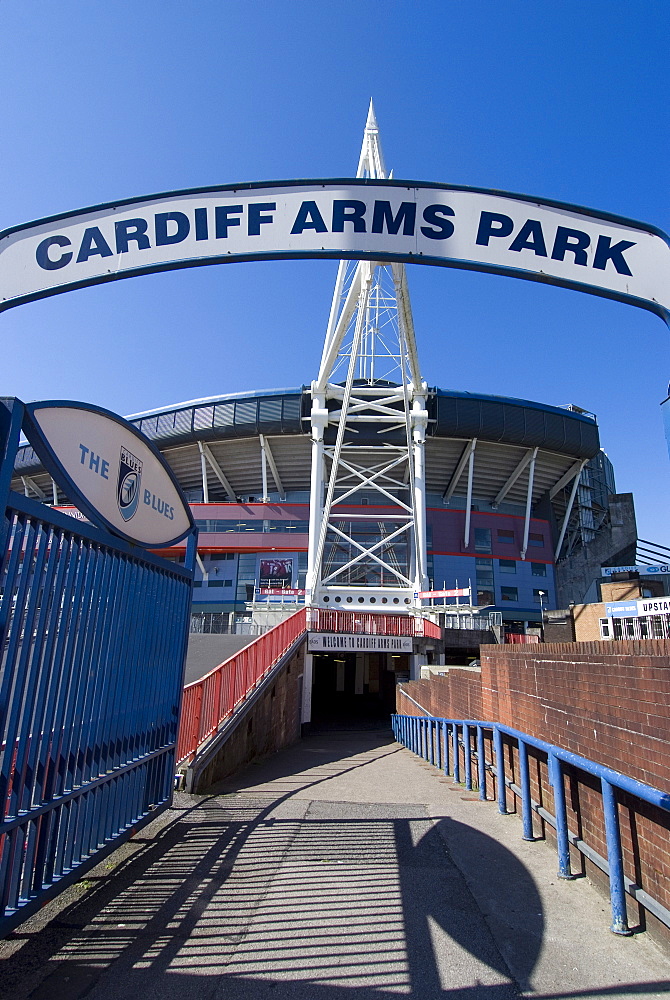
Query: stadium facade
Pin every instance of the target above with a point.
(243, 462)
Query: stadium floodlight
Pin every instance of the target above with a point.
(368, 423)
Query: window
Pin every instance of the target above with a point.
(605, 628)
(484, 571)
(507, 565)
(537, 540)
(505, 536)
(482, 539)
(538, 569)
(509, 594)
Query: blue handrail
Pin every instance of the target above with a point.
(437, 740)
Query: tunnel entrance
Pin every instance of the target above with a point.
(356, 690)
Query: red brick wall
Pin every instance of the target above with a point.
(606, 701)
(461, 688)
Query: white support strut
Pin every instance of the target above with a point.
(368, 424)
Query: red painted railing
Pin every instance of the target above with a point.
(210, 700)
(370, 623)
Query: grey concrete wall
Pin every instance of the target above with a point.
(206, 652)
(613, 545)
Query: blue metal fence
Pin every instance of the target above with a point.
(443, 742)
(94, 633)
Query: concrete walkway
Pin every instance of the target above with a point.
(342, 868)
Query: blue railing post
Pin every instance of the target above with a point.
(614, 860)
(431, 731)
(457, 763)
(445, 743)
(524, 780)
(467, 756)
(500, 769)
(562, 842)
(481, 763)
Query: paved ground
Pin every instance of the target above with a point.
(343, 868)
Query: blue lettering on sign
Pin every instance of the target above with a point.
(383, 216)
(530, 237)
(131, 231)
(308, 217)
(160, 506)
(162, 226)
(572, 245)
(567, 241)
(348, 211)
(223, 220)
(434, 214)
(95, 462)
(256, 218)
(201, 227)
(605, 251)
(42, 253)
(92, 244)
(571, 241)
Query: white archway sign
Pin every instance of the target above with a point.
(410, 222)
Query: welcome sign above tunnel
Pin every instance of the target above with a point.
(404, 221)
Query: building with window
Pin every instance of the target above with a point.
(510, 497)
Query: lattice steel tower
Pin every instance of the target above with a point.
(368, 423)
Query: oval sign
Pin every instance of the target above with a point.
(110, 471)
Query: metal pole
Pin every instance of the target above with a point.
(481, 763)
(524, 779)
(500, 769)
(614, 860)
(467, 756)
(562, 842)
(457, 763)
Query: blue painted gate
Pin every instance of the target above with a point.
(94, 632)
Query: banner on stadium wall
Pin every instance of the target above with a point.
(393, 220)
(639, 608)
(659, 568)
(454, 592)
(344, 642)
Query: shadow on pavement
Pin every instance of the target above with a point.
(241, 898)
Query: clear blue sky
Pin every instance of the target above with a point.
(566, 100)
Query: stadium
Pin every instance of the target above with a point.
(244, 462)
(375, 490)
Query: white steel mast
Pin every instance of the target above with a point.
(368, 423)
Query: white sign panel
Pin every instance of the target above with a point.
(653, 606)
(454, 592)
(639, 608)
(379, 220)
(102, 463)
(642, 570)
(342, 642)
